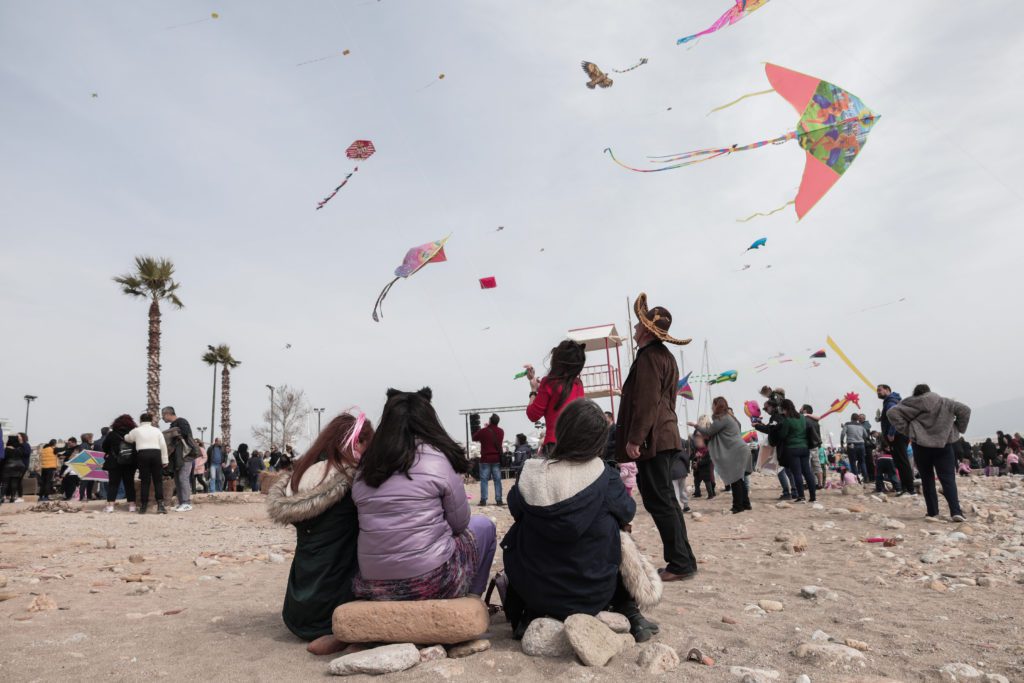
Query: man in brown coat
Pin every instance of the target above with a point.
(648, 433)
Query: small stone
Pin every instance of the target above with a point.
(546, 637)
(783, 536)
(3, 581)
(135, 558)
(41, 603)
(839, 511)
(932, 557)
(432, 653)
(857, 644)
(821, 636)
(141, 589)
(986, 581)
(957, 672)
(783, 505)
(593, 642)
(770, 605)
(798, 544)
(995, 678)
(380, 660)
(111, 543)
(855, 508)
(469, 648)
(94, 590)
(204, 562)
(696, 516)
(658, 658)
(957, 536)
(817, 506)
(933, 520)
(893, 524)
(830, 654)
(615, 621)
(938, 586)
(728, 620)
(803, 678)
(754, 675)
(275, 558)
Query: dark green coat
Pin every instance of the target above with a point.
(325, 563)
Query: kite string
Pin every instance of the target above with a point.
(768, 213)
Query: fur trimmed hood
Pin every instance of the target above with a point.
(639, 575)
(286, 507)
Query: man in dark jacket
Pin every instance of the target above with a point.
(648, 433)
(897, 442)
(183, 452)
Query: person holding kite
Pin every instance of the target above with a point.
(120, 462)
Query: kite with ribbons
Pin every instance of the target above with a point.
(415, 259)
(360, 150)
(738, 11)
(832, 130)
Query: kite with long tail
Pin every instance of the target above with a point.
(738, 11)
(415, 259)
(832, 130)
(841, 404)
(361, 150)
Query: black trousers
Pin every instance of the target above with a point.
(119, 474)
(704, 474)
(10, 486)
(941, 462)
(150, 470)
(902, 462)
(46, 482)
(654, 479)
(869, 461)
(799, 465)
(740, 496)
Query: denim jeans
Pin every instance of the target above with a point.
(800, 468)
(215, 476)
(184, 489)
(858, 464)
(786, 479)
(488, 471)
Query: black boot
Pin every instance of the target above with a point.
(160, 508)
(640, 628)
(142, 509)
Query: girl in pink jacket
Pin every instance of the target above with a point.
(417, 539)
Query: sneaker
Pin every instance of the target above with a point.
(185, 507)
(786, 496)
(109, 508)
(686, 509)
(142, 509)
(131, 507)
(482, 503)
(19, 500)
(800, 500)
(959, 518)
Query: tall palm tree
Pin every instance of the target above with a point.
(153, 279)
(227, 363)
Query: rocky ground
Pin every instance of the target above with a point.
(785, 590)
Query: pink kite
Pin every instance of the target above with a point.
(415, 259)
(741, 9)
(358, 150)
(751, 409)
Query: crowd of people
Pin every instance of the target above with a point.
(136, 453)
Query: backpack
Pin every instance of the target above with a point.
(125, 453)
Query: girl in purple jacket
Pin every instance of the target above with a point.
(417, 540)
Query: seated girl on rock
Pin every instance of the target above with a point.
(417, 540)
(316, 498)
(564, 555)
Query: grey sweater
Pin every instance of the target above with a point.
(930, 420)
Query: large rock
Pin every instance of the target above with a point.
(387, 659)
(546, 637)
(959, 672)
(830, 654)
(593, 642)
(658, 658)
(447, 622)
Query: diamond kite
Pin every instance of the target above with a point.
(359, 150)
(488, 283)
(683, 388)
(738, 11)
(832, 130)
(415, 259)
(88, 465)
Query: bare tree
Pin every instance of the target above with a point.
(290, 411)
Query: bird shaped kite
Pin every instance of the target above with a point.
(738, 11)
(832, 130)
(359, 150)
(597, 77)
(841, 404)
(415, 259)
(758, 243)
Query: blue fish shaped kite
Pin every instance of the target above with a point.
(758, 243)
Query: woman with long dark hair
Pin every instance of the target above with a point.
(316, 498)
(120, 462)
(729, 452)
(796, 437)
(549, 396)
(417, 540)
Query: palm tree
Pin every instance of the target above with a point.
(228, 363)
(152, 279)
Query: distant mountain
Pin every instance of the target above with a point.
(1005, 415)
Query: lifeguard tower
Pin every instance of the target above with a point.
(604, 378)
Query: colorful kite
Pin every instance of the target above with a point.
(488, 283)
(415, 259)
(849, 363)
(749, 436)
(359, 150)
(727, 376)
(841, 404)
(683, 388)
(751, 409)
(832, 130)
(758, 244)
(738, 11)
(88, 465)
(820, 353)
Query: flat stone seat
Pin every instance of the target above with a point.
(268, 479)
(427, 622)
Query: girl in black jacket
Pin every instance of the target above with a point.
(120, 462)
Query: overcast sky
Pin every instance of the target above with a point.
(207, 145)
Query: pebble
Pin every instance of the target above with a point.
(857, 644)
(830, 654)
(932, 557)
(111, 543)
(783, 505)
(432, 653)
(817, 592)
(817, 506)
(545, 637)
(3, 581)
(135, 558)
(615, 621)
(141, 589)
(754, 675)
(957, 536)
(41, 603)
(380, 660)
(938, 586)
(995, 678)
(658, 658)
(593, 642)
(820, 635)
(469, 648)
(893, 524)
(275, 558)
(770, 605)
(728, 620)
(839, 511)
(986, 581)
(957, 672)
(203, 562)
(803, 678)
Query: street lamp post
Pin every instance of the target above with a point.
(28, 401)
(213, 401)
(319, 412)
(202, 434)
(271, 416)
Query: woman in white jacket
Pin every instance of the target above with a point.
(152, 456)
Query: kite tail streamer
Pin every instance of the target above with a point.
(849, 363)
(329, 197)
(727, 19)
(643, 60)
(768, 213)
(697, 156)
(740, 99)
(378, 309)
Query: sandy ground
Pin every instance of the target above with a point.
(119, 620)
